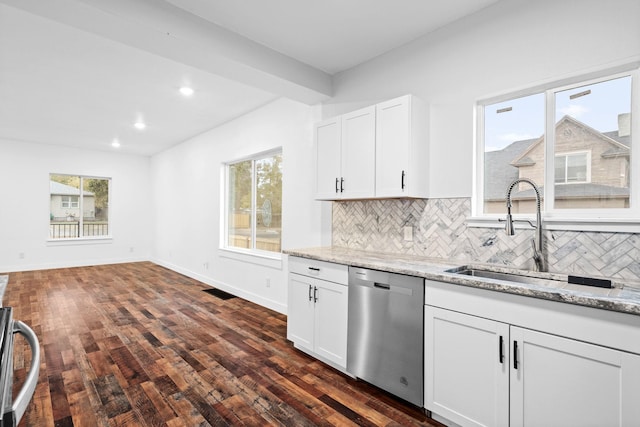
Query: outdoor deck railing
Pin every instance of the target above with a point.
(66, 230)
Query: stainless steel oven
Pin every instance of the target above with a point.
(13, 409)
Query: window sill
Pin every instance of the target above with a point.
(265, 259)
(585, 224)
(80, 241)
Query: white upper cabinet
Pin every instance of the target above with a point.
(358, 154)
(345, 156)
(375, 152)
(401, 148)
(328, 138)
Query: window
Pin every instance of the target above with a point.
(573, 139)
(78, 214)
(572, 167)
(70, 201)
(254, 204)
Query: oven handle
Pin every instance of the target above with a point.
(28, 388)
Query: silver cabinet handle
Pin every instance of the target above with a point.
(26, 392)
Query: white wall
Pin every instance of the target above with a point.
(512, 45)
(24, 201)
(187, 199)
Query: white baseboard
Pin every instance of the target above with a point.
(249, 296)
(68, 264)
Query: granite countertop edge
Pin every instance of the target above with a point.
(623, 298)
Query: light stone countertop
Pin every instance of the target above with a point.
(4, 280)
(623, 297)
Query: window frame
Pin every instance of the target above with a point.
(259, 256)
(80, 207)
(613, 220)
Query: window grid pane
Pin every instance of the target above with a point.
(254, 204)
(239, 214)
(514, 148)
(76, 214)
(594, 119)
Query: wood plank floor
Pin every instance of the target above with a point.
(137, 344)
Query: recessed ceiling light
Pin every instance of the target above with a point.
(115, 143)
(186, 91)
(139, 125)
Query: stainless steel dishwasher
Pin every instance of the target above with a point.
(385, 342)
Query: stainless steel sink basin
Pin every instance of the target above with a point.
(508, 277)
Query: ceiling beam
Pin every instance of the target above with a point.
(173, 33)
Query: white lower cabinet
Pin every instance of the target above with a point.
(466, 380)
(317, 313)
(481, 372)
(564, 382)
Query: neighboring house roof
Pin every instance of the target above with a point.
(56, 188)
(501, 167)
(607, 137)
(502, 172)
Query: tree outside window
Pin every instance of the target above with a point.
(254, 203)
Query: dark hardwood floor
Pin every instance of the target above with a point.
(137, 344)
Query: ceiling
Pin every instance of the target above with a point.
(79, 73)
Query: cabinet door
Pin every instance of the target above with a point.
(563, 382)
(466, 368)
(331, 322)
(358, 153)
(392, 147)
(300, 311)
(328, 135)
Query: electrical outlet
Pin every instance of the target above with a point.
(205, 265)
(268, 282)
(21, 255)
(131, 249)
(408, 233)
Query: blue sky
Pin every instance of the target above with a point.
(599, 109)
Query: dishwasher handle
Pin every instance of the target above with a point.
(381, 285)
(21, 402)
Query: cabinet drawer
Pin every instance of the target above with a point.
(329, 271)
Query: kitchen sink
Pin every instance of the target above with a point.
(508, 277)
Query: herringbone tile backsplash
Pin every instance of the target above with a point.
(440, 231)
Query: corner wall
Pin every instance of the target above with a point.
(187, 199)
(25, 207)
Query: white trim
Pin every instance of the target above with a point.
(613, 68)
(70, 241)
(616, 225)
(80, 208)
(256, 256)
(249, 296)
(241, 253)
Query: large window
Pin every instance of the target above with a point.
(254, 203)
(573, 140)
(78, 207)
